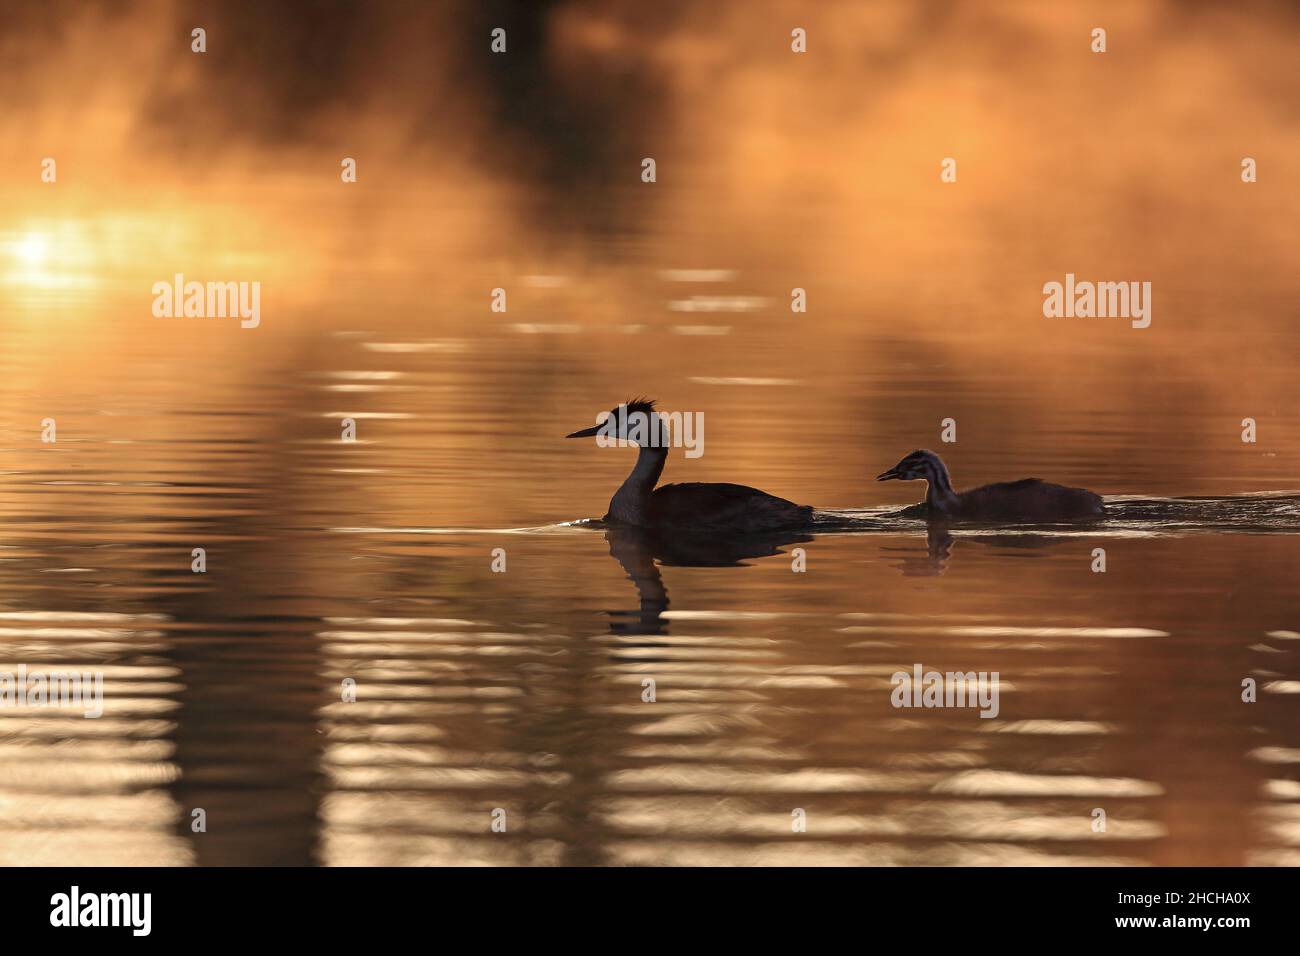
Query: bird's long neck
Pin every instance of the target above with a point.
(939, 494)
(629, 502)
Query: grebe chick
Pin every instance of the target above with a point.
(1030, 499)
(717, 508)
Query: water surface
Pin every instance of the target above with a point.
(372, 561)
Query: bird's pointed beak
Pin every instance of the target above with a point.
(585, 433)
(891, 475)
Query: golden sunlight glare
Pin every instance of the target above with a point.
(32, 250)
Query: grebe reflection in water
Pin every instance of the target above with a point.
(641, 552)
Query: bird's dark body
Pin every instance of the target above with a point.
(723, 508)
(1029, 499)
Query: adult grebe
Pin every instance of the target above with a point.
(695, 506)
(1030, 499)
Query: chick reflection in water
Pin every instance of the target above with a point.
(938, 549)
(940, 543)
(641, 551)
(713, 508)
